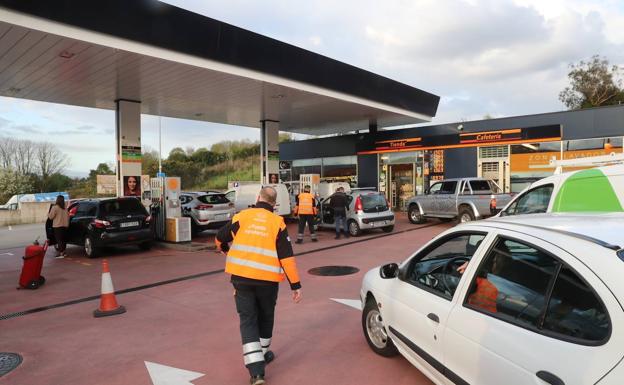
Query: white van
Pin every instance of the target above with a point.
(246, 196)
(599, 189)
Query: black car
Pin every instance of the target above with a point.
(97, 223)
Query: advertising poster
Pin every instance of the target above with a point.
(132, 186)
(106, 184)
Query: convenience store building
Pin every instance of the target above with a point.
(513, 151)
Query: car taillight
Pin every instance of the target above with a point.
(204, 207)
(493, 203)
(358, 205)
(100, 224)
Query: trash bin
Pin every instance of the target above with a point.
(31, 277)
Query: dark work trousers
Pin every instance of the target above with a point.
(303, 219)
(255, 305)
(340, 218)
(60, 234)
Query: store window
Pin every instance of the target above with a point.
(403, 175)
(306, 166)
(340, 169)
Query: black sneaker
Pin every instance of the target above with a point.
(314, 240)
(257, 380)
(268, 357)
(299, 241)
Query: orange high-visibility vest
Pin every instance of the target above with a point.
(485, 295)
(306, 205)
(253, 253)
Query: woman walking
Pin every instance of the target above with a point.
(60, 223)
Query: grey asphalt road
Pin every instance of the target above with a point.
(21, 235)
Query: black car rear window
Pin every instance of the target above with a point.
(480, 187)
(213, 199)
(373, 200)
(121, 207)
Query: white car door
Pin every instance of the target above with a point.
(543, 324)
(422, 299)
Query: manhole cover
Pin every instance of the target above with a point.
(8, 362)
(333, 270)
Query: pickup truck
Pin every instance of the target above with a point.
(463, 199)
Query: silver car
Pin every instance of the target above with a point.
(207, 210)
(368, 210)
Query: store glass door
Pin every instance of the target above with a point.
(402, 181)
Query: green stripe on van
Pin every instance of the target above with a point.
(587, 190)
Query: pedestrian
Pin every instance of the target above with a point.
(338, 201)
(305, 208)
(60, 222)
(259, 257)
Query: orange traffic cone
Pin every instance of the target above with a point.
(108, 303)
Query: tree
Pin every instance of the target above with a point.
(149, 162)
(101, 169)
(50, 160)
(286, 137)
(12, 183)
(593, 83)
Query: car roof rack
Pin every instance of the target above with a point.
(572, 234)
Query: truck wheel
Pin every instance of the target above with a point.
(375, 331)
(465, 215)
(89, 249)
(414, 215)
(354, 228)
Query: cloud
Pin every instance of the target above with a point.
(27, 129)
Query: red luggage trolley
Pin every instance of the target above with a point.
(31, 277)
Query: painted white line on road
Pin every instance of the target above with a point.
(168, 375)
(7, 254)
(354, 303)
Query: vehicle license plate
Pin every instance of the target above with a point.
(129, 224)
(220, 216)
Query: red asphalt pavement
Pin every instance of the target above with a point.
(192, 324)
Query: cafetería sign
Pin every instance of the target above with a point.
(490, 136)
(467, 139)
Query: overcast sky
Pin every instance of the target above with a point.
(496, 57)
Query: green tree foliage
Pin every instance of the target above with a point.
(12, 183)
(593, 83)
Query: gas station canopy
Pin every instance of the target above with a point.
(183, 65)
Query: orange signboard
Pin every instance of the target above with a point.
(528, 162)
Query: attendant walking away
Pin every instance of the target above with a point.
(306, 210)
(259, 257)
(60, 222)
(339, 202)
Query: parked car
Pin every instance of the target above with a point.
(246, 196)
(598, 189)
(97, 223)
(207, 210)
(538, 303)
(464, 199)
(368, 209)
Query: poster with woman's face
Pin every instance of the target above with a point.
(132, 186)
(273, 179)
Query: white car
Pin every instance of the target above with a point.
(540, 302)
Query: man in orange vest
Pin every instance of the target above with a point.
(259, 257)
(306, 209)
